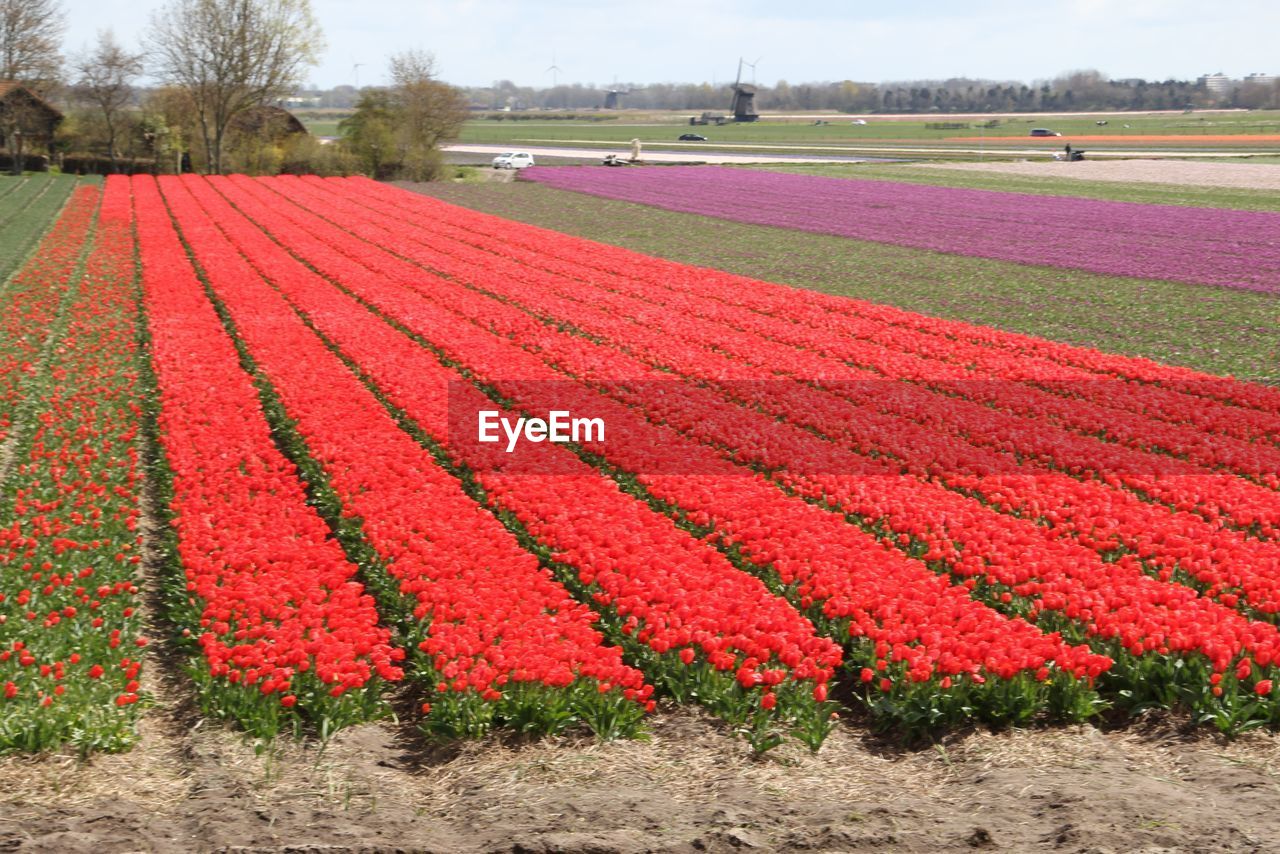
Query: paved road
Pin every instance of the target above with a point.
(651, 156)
(859, 154)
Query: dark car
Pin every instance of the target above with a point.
(692, 137)
(1044, 132)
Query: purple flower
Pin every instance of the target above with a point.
(1206, 246)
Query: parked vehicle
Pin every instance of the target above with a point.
(1044, 132)
(513, 160)
(692, 137)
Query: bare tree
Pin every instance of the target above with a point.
(30, 33)
(427, 110)
(104, 78)
(232, 55)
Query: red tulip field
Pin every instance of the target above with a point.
(803, 507)
(326, 453)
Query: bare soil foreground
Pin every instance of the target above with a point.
(692, 787)
(1249, 176)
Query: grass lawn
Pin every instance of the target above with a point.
(1217, 330)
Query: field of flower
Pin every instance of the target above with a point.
(805, 507)
(27, 205)
(1207, 246)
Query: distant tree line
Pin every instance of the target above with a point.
(1077, 90)
(224, 66)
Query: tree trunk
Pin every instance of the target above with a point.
(208, 142)
(111, 146)
(216, 157)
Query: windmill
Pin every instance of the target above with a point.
(743, 105)
(554, 70)
(355, 72)
(611, 96)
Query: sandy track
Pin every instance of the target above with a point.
(1248, 176)
(691, 788)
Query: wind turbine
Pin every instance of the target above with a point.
(555, 71)
(355, 71)
(751, 65)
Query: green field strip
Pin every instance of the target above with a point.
(10, 184)
(1217, 330)
(27, 192)
(839, 129)
(22, 227)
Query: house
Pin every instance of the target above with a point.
(267, 123)
(27, 121)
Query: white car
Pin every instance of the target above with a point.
(513, 160)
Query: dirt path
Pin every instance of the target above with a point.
(690, 788)
(1248, 176)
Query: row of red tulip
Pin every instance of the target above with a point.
(282, 630)
(1106, 519)
(902, 618)
(1020, 561)
(701, 627)
(1093, 406)
(30, 301)
(491, 624)
(1161, 393)
(69, 544)
(1086, 405)
(941, 437)
(907, 330)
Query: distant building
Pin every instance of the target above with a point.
(1218, 83)
(268, 123)
(27, 121)
(743, 105)
(1261, 79)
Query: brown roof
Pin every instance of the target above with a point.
(8, 87)
(268, 119)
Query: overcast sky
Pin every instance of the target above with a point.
(479, 41)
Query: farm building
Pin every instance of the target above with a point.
(266, 122)
(27, 121)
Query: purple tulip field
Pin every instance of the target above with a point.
(1203, 246)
